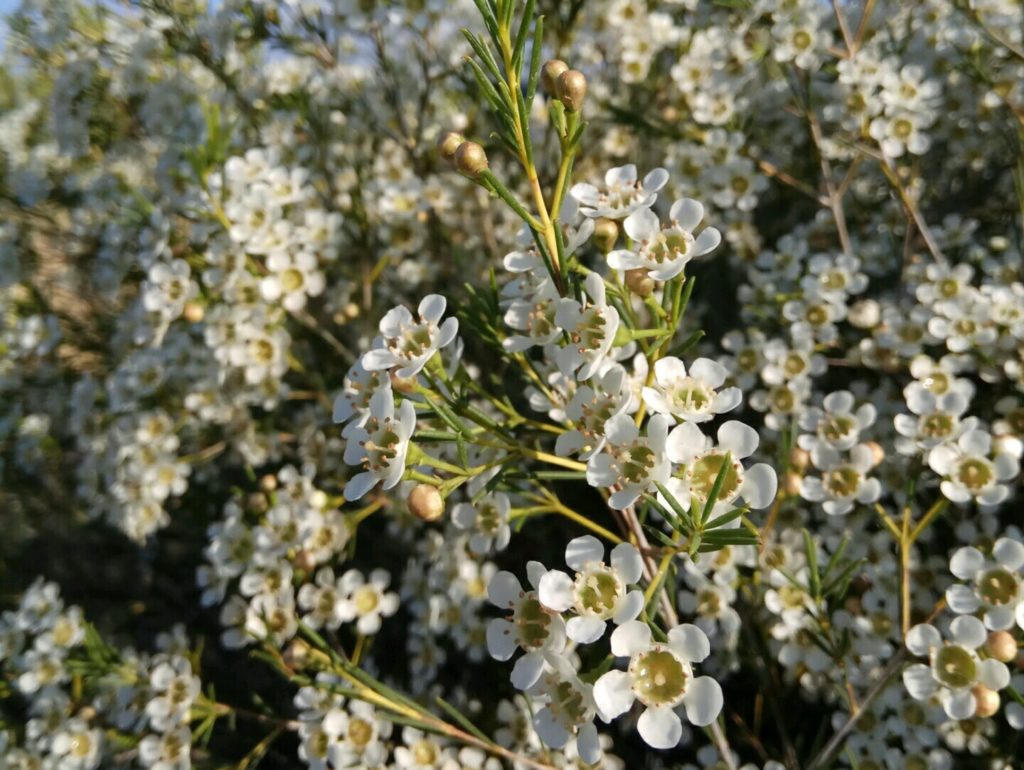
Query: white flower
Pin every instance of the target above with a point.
(174, 689)
(591, 328)
(661, 677)
(534, 315)
(530, 627)
(380, 445)
(954, 666)
(665, 252)
(837, 424)
(590, 408)
(568, 710)
(622, 193)
(693, 396)
(407, 343)
(598, 592)
(367, 601)
(170, 751)
(486, 520)
(322, 600)
(77, 745)
(996, 585)
(631, 461)
(702, 462)
(361, 735)
(293, 278)
(938, 420)
(843, 481)
(969, 472)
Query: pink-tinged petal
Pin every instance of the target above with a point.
(703, 701)
(556, 591)
(630, 639)
(501, 639)
(613, 695)
(689, 643)
(583, 550)
(660, 727)
(627, 562)
(585, 630)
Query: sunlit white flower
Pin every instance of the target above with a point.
(590, 408)
(843, 480)
(568, 710)
(994, 586)
(591, 327)
(622, 194)
(630, 461)
(837, 424)
(380, 445)
(692, 396)
(665, 251)
(974, 469)
(409, 343)
(366, 602)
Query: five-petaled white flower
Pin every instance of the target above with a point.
(690, 396)
(380, 445)
(591, 328)
(486, 520)
(970, 474)
(622, 194)
(568, 710)
(665, 251)
(995, 586)
(630, 461)
(599, 591)
(408, 343)
(660, 676)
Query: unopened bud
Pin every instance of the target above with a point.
(351, 310)
(268, 482)
(986, 700)
(550, 73)
(193, 312)
(425, 502)
(877, 453)
(799, 459)
(865, 314)
(471, 159)
(606, 232)
(1002, 646)
(305, 560)
(572, 88)
(640, 282)
(791, 484)
(403, 384)
(256, 503)
(448, 143)
(296, 654)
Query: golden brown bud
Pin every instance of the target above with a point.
(549, 74)
(305, 560)
(193, 312)
(877, 453)
(640, 282)
(425, 502)
(572, 88)
(1002, 646)
(791, 484)
(987, 701)
(448, 143)
(471, 159)
(799, 459)
(268, 482)
(606, 232)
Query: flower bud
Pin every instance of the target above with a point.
(471, 159)
(296, 654)
(606, 232)
(268, 482)
(640, 282)
(987, 701)
(549, 74)
(256, 503)
(425, 502)
(403, 384)
(193, 312)
(877, 453)
(1002, 646)
(791, 484)
(572, 87)
(448, 143)
(865, 314)
(305, 560)
(798, 459)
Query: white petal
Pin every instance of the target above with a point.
(759, 485)
(534, 572)
(548, 730)
(630, 638)
(504, 589)
(432, 307)
(959, 704)
(588, 744)
(993, 674)
(501, 641)
(584, 630)
(630, 608)
(919, 681)
(703, 701)
(707, 241)
(689, 642)
(613, 694)
(962, 599)
(922, 638)
(627, 562)
(687, 213)
(556, 591)
(582, 550)
(660, 727)
(527, 671)
(1009, 553)
(738, 438)
(966, 562)
(968, 631)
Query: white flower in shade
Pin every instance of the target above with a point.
(380, 445)
(969, 326)
(486, 520)
(837, 424)
(76, 745)
(568, 710)
(423, 751)
(366, 602)
(361, 735)
(995, 586)
(322, 600)
(690, 396)
(900, 132)
(591, 328)
(665, 251)
(292, 279)
(599, 592)
(630, 461)
(968, 471)
(702, 461)
(530, 626)
(843, 480)
(944, 286)
(534, 316)
(352, 405)
(937, 421)
(174, 688)
(660, 676)
(170, 751)
(622, 194)
(409, 343)
(954, 666)
(590, 407)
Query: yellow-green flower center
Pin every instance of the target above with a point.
(658, 678)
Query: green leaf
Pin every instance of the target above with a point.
(538, 44)
(812, 564)
(716, 488)
(521, 35)
(725, 518)
(681, 514)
